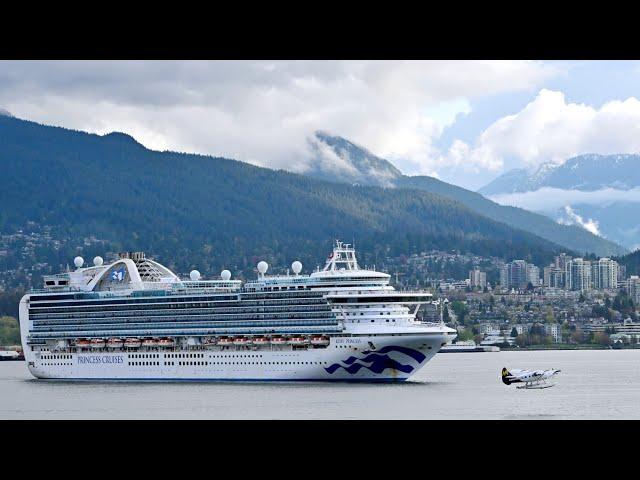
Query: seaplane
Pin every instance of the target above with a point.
(531, 378)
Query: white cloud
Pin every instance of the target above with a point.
(549, 129)
(574, 219)
(551, 199)
(264, 111)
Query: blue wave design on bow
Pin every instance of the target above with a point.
(379, 364)
(379, 361)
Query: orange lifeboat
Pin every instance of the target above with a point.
(225, 341)
(97, 343)
(149, 342)
(83, 343)
(241, 341)
(297, 340)
(261, 341)
(166, 342)
(132, 343)
(278, 340)
(321, 340)
(115, 343)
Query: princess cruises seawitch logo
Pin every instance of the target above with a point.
(118, 275)
(379, 360)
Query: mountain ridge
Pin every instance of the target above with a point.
(212, 212)
(588, 172)
(570, 236)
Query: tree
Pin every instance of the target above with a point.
(602, 338)
(550, 317)
(521, 340)
(461, 310)
(9, 331)
(445, 314)
(577, 336)
(514, 332)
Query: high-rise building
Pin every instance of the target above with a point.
(477, 278)
(533, 275)
(561, 261)
(578, 275)
(518, 274)
(604, 274)
(622, 273)
(554, 276)
(634, 288)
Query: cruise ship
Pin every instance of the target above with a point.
(136, 320)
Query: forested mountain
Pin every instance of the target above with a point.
(360, 165)
(205, 212)
(632, 262)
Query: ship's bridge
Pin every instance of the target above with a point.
(340, 271)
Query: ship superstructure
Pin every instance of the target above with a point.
(134, 319)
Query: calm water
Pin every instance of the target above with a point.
(593, 384)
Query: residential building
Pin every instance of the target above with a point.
(578, 275)
(604, 274)
(477, 278)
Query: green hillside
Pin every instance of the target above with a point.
(205, 212)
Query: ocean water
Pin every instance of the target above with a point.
(601, 384)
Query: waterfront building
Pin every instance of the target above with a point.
(554, 330)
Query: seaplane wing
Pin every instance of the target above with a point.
(530, 378)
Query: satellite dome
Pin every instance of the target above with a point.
(98, 261)
(78, 262)
(296, 267)
(225, 274)
(194, 275)
(262, 267)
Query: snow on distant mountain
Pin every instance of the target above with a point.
(585, 172)
(600, 193)
(339, 160)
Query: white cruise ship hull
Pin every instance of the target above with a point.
(346, 359)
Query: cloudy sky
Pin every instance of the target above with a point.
(463, 121)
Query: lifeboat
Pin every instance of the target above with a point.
(210, 341)
(115, 343)
(278, 340)
(225, 341)
(149, 342)
(166, 342)
(297, 340)
(261, 341)
(241, 341)
(132, 343)
(83, 343)
(321, 340)
(97, 343)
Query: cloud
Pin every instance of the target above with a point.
(549, 129)
(264, 111)
(549, 199)
(574, 219)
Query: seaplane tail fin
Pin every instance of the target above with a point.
(505, 376)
